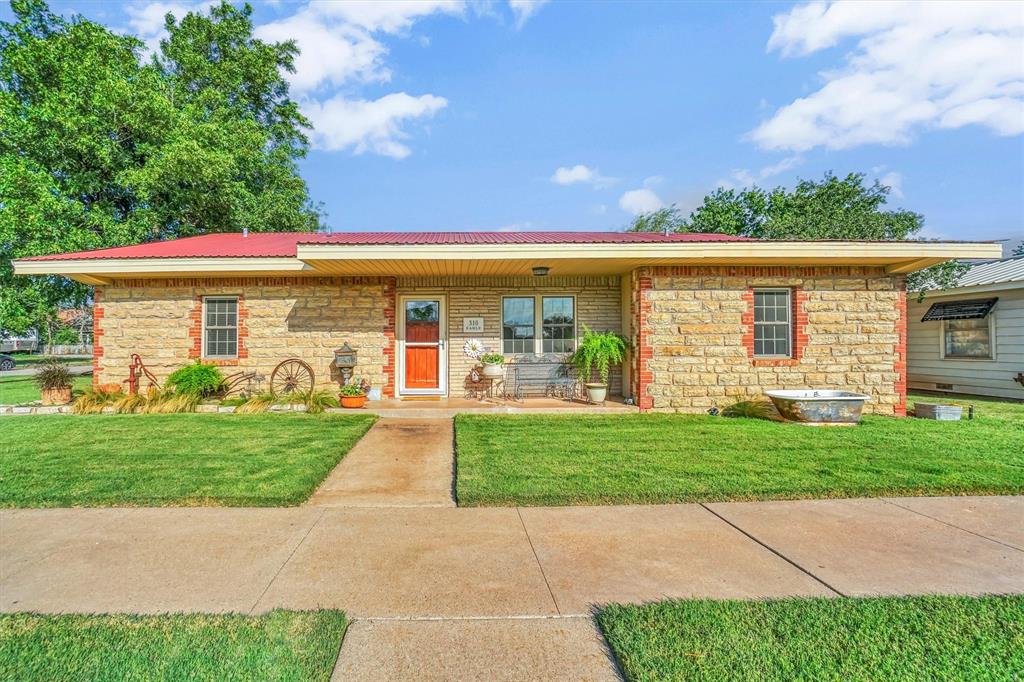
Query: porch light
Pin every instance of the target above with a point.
(541, 271)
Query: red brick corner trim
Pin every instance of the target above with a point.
(390, 287)
(195, 333)
(799, 341)
(97, 335)
(900, 356)
(644, 352)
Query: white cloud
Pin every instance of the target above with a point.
(917, 65)
(369, 125)
(742, 177)
(637, 201)
(895, 182)
(566, 175)
(388, 16)
(146, 20)
(524, 9)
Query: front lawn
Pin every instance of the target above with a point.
(281, 645)
(21, 389)
(170, 460)
(662, 458)
(895, 638)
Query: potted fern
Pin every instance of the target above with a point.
(597, 351)
(54, 380)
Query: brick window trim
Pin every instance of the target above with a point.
(195, 332)
(799, 342)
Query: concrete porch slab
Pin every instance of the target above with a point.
(485, 650)
(398, 463)
(997, 518)
(870, 547)
(146, 560)
(414, 562)
(595, 555)
(446, 408)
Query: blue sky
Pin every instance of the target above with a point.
(445, 115)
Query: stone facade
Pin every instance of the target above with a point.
(693, 335)
(598, 305)
(279, 317)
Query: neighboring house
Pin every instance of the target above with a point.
(711, 319)
(970, 339)
(11, 344)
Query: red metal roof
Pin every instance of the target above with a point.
(283, 244)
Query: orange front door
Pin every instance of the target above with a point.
(422, 319)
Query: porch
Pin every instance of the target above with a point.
(449, 407)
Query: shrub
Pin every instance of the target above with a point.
(751, 409)
(65, 336)
(198, 379)
(598, 351)
(492, 359)
(95, 399)
(256, 404)
(317, 401)
(52, 374)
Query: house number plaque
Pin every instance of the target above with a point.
(472, 324)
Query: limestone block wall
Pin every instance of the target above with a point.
(598, 305)
(279, 317)
(694, 335)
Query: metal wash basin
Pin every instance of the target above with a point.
(819, 406)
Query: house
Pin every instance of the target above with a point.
(970, 339)
(711, 319)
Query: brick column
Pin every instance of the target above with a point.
(390, 286)
(97, 335)
(643, 352)
(900, 361)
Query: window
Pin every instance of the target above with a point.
(220, 327)
(518, 325)
(967, 338)
(772, 323)
(558, 327)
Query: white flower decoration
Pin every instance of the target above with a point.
(473, 348)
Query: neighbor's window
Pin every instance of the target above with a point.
(773, 332)
(967, 338)
(517, 324)
(220, 327)
(558, 327)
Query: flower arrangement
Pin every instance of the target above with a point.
(473, 348)
(492, 359)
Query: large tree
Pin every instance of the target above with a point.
(101, 145)
(832, 208)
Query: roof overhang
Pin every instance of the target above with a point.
(519, 259)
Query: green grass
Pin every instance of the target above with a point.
(25, 361)
(658, 458)
(281, 645)
(18, 390)
(171, 460)
(897, 638)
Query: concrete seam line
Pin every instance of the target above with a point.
(772, 550)
(951, 525)
(285, 562)
(459, 619)
(537, 559)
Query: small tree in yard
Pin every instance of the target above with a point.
(833, 208)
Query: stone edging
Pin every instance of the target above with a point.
(7, 410)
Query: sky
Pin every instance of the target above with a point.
(520, 115)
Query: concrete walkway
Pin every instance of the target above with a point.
(398, 463)
(493, 590)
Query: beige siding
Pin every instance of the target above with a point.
(927, 367)
(598, 305)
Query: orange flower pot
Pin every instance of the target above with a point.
(352, 402)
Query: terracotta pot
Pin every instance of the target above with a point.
(56, 396)
(352, 401)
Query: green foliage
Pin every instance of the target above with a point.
(198, 379)
(317, 401)
(351, 390)
(750, 409)
(832, 208)
(256, 404)
(492, 359)
(53, 373)
(94, 401)
(65, 336)
(99, 147)
(598, 351)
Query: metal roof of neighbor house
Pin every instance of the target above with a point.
(284, 244)
(994, 272)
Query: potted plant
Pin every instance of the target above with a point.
(493, 365)
(54, 381)
(352, 395)
(597, 351)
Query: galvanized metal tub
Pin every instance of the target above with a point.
(944, 413)
(819, 406)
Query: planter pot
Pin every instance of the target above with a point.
(597, 392)
(352, 401)
(56, 396)
(493, 371)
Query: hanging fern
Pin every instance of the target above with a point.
(598, 351)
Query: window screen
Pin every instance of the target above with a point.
(772, 332)
(967, 338)
(517, 325)
(559, 324)
(221, 328)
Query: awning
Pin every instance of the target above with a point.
(974, 309)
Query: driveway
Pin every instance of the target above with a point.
(489, 579)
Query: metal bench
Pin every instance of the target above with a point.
(548, 375)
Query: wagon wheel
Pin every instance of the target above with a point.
(290, 376)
